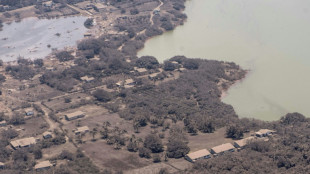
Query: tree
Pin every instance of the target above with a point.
(292, 118)
(132, 146)
(102, 95)
(64, 56)
(144, 152)
(9, 133)
(234, 131)
(38, 62)
(89, 22)
(169, 66)
(206, 126)
(37, 152)
(94, 133)
(156, 158)
(154, 143)
(17, 119)
(177, 149)
(148, 62)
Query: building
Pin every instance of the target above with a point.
(43, 165)
(50, 68)
(2, 165)
(87, 79)
(175, 62)
(264, 133)
(75, 115)
(182, 69)
(152, 76)
(140, 70)
(48, 4)
(87, 34)
(81, 130)
(25, 142)
(2, 123)
(127, 83)
(243, 142)
(200, 154)
(29, 112)
(228, 147)
(6, 7)
(156, 12)
(47, 135)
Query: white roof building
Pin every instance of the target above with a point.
(228, 147)
(43, 165)
(200, 154)
(25, 142)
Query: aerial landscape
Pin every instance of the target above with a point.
(154, 86)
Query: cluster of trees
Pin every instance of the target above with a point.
(193, 97)
(14, 4)
(153, 146)
(63, 56)
(25, 69)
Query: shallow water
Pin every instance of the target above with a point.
(30, 37)
(268, 37)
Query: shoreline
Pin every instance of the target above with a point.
(225, 92)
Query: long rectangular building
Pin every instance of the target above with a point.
(200, 154)
(25, 142)
(228, 147)
(74, 115)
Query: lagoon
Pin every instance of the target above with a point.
(270, 38)
(30, 37)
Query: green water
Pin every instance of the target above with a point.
(271, 38)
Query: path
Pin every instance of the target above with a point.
(80, 10)
(152, 12)
(151, 20)
(53, 125)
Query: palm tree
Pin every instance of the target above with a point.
(94, 132)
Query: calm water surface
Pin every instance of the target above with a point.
(30, 37)
(271, 38)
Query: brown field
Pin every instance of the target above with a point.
(33, 127)
(58, 103)
(105, 156)
(54, 151)
(209, 140)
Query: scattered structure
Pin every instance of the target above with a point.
(241, 143)
(152, 76)
(2, 123)
(140, 70)
(74, 115)
(48, 4)
(217, 150)
(2, 165)
(43, 165)
(175, 62)
(25, 142)
(29, 112)
(87, 79)
(264, 133)
(200, 154)
(127, 83)
(81, 130)
(87, 34)
(50, 68)
(47, 135)
(182, 69)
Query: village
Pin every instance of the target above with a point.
(80, 104)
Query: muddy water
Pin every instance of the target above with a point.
(268, 37)
(30, 37)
